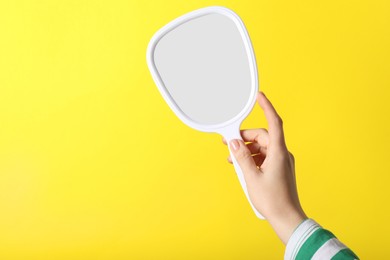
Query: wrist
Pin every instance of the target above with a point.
(285, 223)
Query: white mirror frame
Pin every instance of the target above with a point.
(231, 128)
(251, 57)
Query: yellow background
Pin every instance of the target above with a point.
(94, 165)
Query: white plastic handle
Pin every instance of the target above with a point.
(240, 175)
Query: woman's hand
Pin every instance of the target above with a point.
(269, 172)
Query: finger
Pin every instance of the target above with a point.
(256, 148)
(259, 135)
(244, 159)
(275, 124)
(259, 158)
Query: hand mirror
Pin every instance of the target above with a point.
(204, 67)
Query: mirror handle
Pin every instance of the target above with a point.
(228, 137)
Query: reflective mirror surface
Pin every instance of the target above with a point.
(204, 66)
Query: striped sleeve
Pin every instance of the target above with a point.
(311, 241)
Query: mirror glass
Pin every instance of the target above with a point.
(204, 66)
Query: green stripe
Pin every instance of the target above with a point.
(313, 243)
(344, 254)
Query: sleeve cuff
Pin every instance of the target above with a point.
(299, 236)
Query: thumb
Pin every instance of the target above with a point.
(243, 157)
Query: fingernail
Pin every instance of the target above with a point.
(235, 144)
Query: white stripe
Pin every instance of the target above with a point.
(329, 249)
(299, 236)
(303, 240)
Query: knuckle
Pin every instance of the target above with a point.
(282, 154)
(243, 155)
(279, 120)
(262, 131)
(285, 157)
(291, 157)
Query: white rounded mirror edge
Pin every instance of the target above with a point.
(251, 57)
